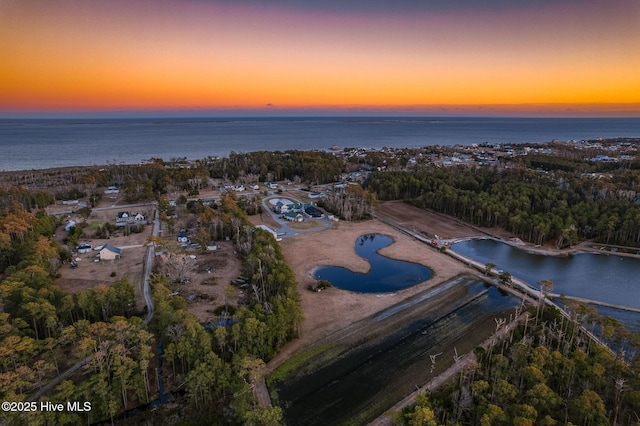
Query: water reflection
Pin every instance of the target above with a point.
(602, 277)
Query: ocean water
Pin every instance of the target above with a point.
(40, 144)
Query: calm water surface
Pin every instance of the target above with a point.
(386, 274)
(607, 278)
(39, 144)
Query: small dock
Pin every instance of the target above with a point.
(595, 302)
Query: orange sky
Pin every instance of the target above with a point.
(198, 54)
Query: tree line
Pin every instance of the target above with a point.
(351, 203)
(43, 329)
(313, 167)
(536, 206)
(155, 177)
(219, 368)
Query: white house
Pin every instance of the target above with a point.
(122, 218)
(293, 216)
(139, 218)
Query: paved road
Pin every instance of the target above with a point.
(147, 269)
(64, 375)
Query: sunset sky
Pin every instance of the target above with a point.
(531, 57)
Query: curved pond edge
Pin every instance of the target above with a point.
(385, 274)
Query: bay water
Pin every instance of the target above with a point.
(47, 143)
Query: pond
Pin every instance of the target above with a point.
(385, 276)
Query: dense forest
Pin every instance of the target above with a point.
(312, 167)
(45, 331)
(537, 206)
(352, 203)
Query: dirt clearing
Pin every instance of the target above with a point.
(91, 273)
(432, 223)
(331, 310)
(212, 271)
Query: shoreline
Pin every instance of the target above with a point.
(577, 249)
(20, 144)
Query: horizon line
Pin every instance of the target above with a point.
(540, 110)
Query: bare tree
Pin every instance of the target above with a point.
(245, 245)
(178, 264)
(546, 287)
(236, 223)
